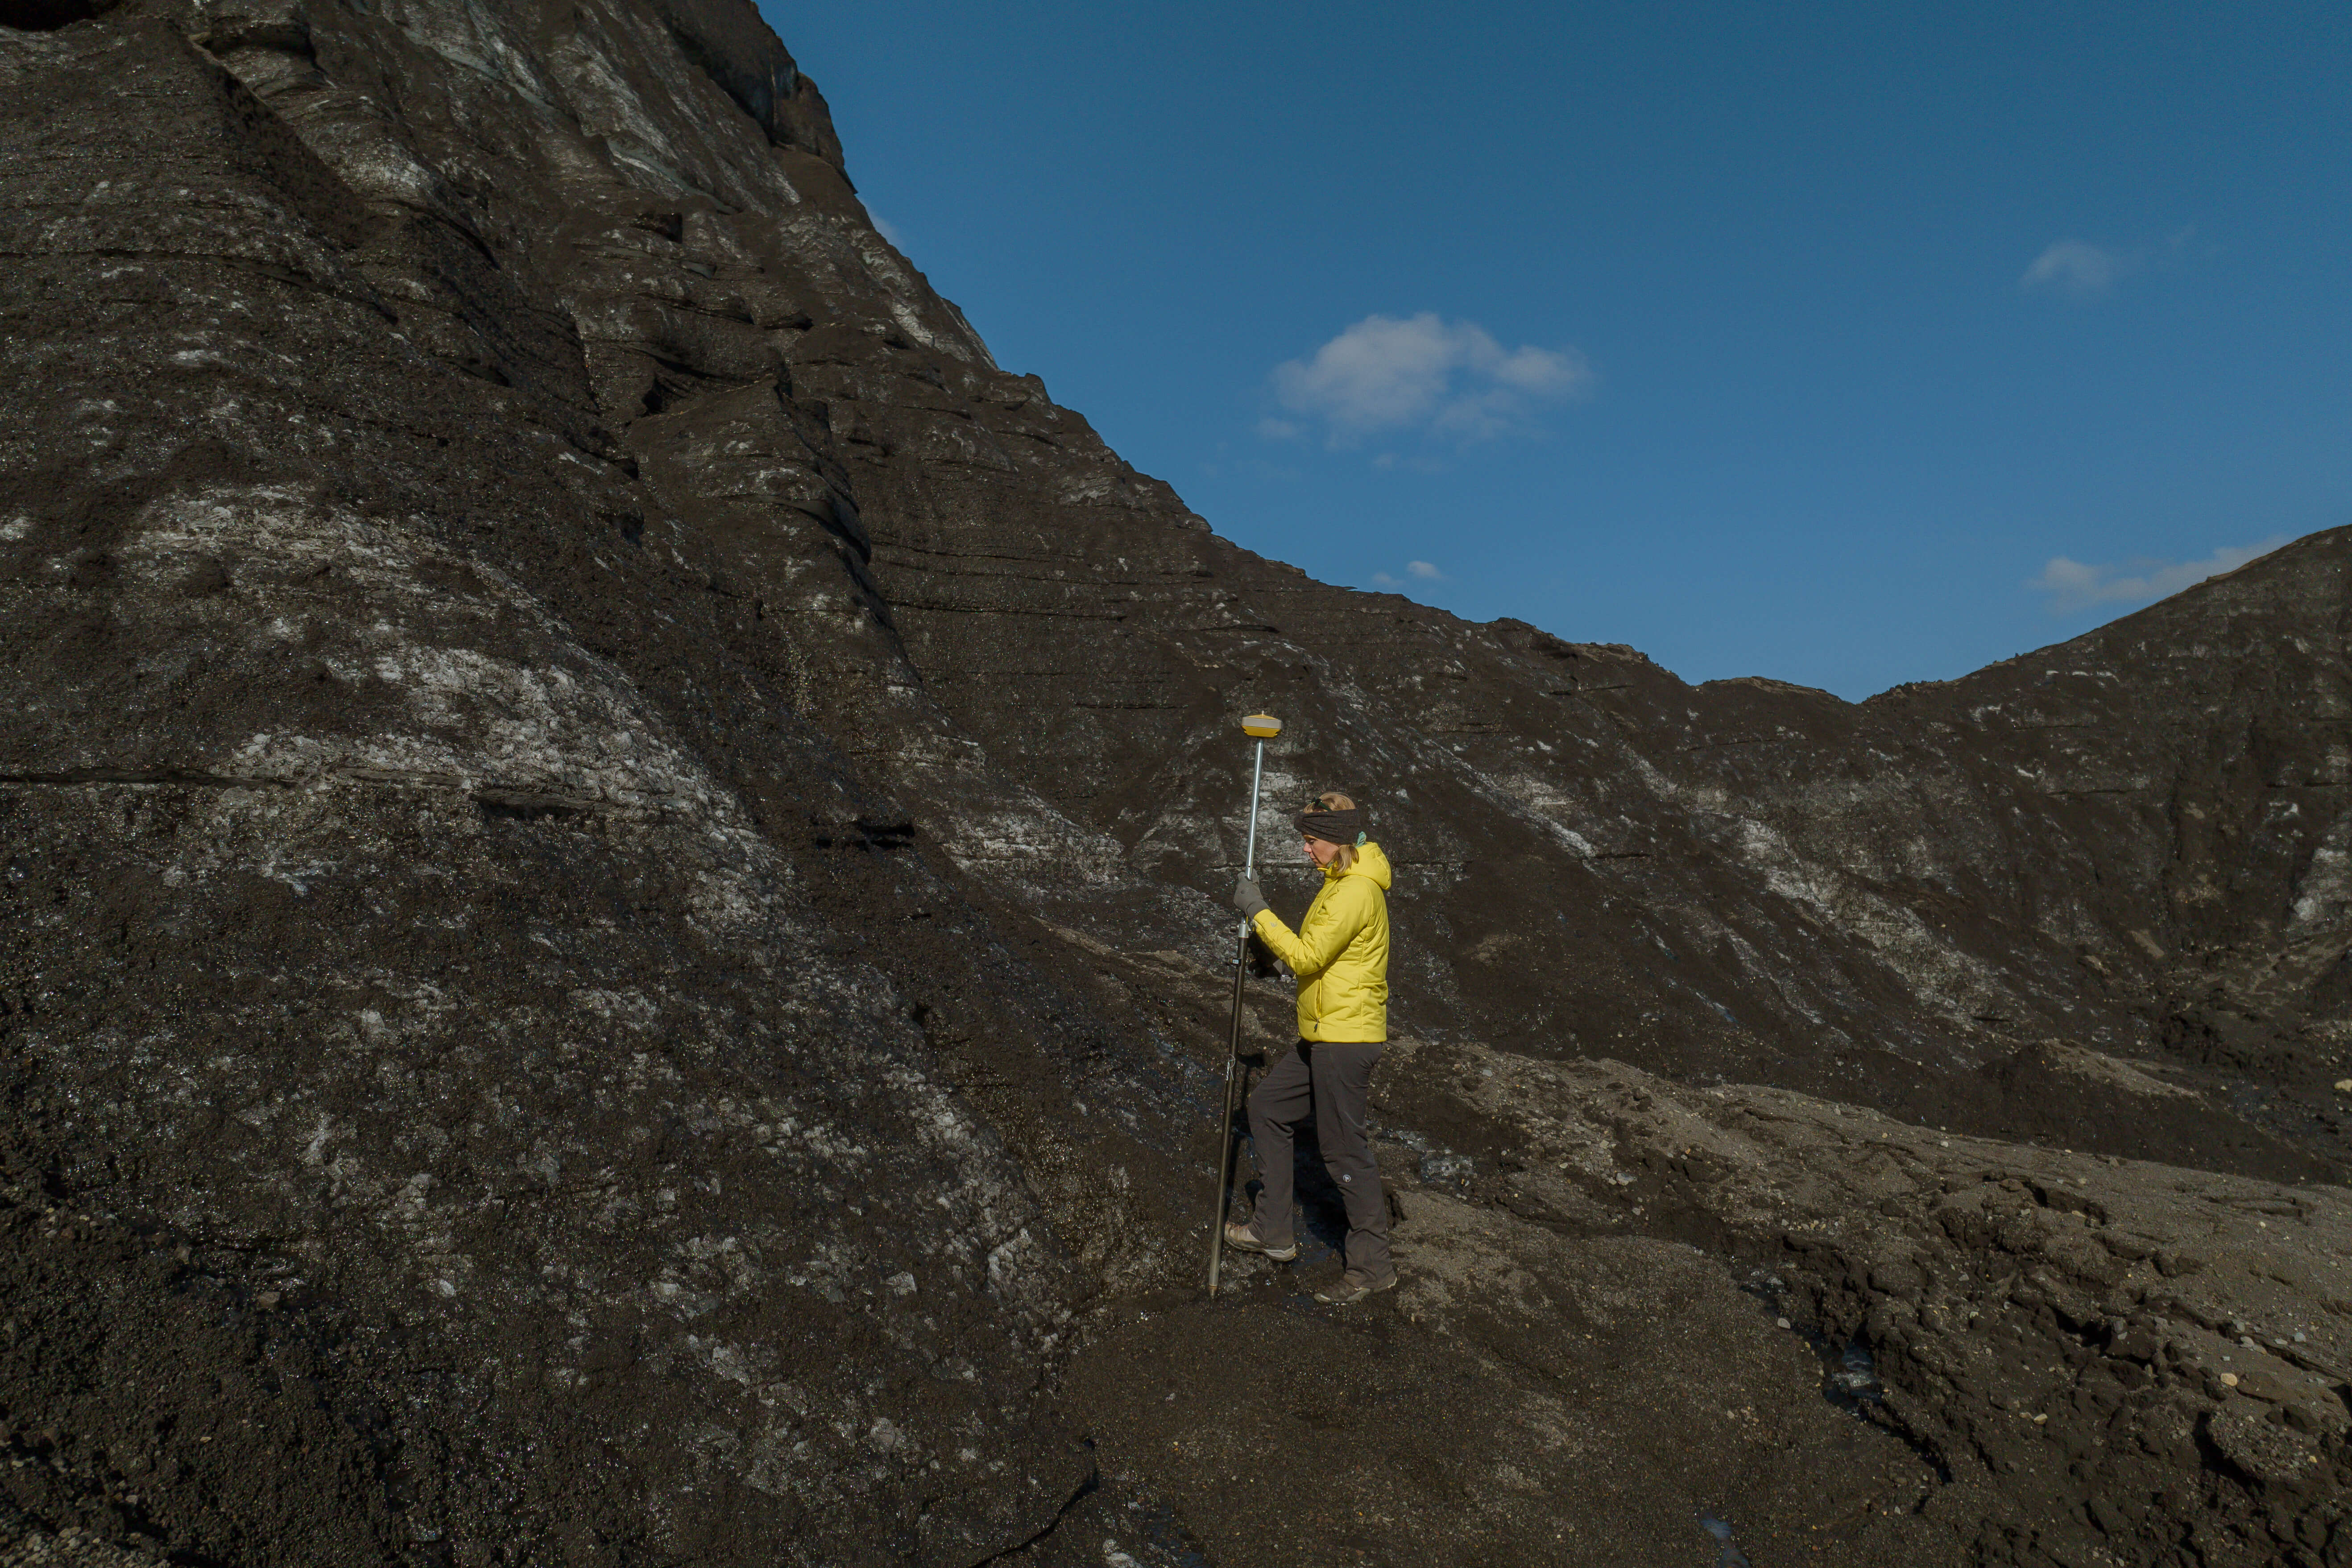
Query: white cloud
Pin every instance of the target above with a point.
(2077, 267)
(888, 230)
(2071, 585)
(1423, 373)
(1420, 571)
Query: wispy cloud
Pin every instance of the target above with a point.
(1421, 372)
(2077, 268)
(1422, 571)
(2071, 585)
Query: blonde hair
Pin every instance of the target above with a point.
(1332, 800)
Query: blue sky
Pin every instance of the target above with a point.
(1782, 339)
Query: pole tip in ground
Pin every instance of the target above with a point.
(1265, 726)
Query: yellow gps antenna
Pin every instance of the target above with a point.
(1260, 727)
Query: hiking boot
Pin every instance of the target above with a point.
(1351, 1288)
(1243, 1238)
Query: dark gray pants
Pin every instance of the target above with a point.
(1331, 1083)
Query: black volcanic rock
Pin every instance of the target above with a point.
(609, 948)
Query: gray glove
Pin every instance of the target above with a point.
(1247, 898)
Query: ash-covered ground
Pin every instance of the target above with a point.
(609, 848)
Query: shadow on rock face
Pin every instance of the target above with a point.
(45, 15)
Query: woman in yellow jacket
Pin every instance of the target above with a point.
(1341, 956)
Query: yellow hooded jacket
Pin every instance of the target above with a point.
(1340, 952)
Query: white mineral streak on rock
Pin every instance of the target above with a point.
(2324, 892)
(544, 723)
(2096, 1067)
(1753, 962)
(624, 1009)
(570, 731)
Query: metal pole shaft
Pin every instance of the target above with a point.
(1249, 855)
(1233, 1043)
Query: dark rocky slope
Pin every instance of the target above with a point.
(609, 945)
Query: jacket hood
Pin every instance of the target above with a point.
(1370, 862)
